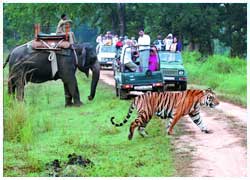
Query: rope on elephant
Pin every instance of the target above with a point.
(53, 59)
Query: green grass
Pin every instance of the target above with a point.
(44, 130)
(227, 76)
(41, 129)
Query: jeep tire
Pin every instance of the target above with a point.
(122, 94)
(183, 86)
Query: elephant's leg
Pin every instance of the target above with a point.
(68, 97)
(20, 91)
(73, 92)
(11, 87)
(76, 96)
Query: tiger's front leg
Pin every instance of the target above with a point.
(199, 122)
(168, 124)
(172, 123)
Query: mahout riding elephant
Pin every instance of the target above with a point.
(33, 65)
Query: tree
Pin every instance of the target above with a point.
(233, 30)
(197, 25)
(121, 15)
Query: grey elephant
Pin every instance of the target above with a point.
(33, 65)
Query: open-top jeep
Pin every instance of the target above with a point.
(129, 82)
(174, 73)
(106, 55)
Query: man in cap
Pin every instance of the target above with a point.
(61, 28)
(158, 42)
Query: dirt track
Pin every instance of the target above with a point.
(221, 154)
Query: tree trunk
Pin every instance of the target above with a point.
(206, 47)
(191, 46)
(114, 21)
(121, 15)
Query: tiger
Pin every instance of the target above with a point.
(171, 105)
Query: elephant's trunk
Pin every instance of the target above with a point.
(95, 78)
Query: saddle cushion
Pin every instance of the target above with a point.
(52, 43)
(51, 36)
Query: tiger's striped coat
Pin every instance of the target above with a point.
(172, 105)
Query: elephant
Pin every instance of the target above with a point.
(29, 65)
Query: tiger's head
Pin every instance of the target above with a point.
(210, 98)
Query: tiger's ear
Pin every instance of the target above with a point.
(209, 90)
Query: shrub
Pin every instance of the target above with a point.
(228, 75)
(14, 120)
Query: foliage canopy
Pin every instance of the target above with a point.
(195, 24)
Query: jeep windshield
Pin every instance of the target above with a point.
(170, 57)
(108, 49)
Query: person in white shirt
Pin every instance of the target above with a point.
(144, 47)
(99, 39)
(168, 41)
(143, 39)
(115, 40)
(134, 40)
(99, 42)
(126, 55)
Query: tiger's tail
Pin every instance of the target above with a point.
(131, 108)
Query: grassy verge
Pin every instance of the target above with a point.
(228, 76)
(41, 129)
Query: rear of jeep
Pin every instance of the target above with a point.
(129, 83)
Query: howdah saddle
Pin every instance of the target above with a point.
(50, 41)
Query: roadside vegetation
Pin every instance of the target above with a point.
(227, 76)
(41, 130)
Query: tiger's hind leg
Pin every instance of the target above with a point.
(140, 122)
(132, 128)
(141, 130)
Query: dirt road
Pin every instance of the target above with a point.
(221, 154)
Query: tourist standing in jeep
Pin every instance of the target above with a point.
(168, 41)
(159, 43)
(144, 46)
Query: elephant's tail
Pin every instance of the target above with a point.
(6, 62)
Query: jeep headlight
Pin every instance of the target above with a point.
(181, 72)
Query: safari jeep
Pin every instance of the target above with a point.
(174, 73)
(129, 83)
(106, 55)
